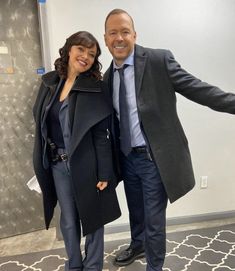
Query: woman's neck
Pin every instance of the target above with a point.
(71, 76)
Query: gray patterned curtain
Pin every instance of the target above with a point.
(20, 208)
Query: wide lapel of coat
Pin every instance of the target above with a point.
(139, 63)
(49, 82)
(52, 83)
(108, 78)
(52, 93)
(86, 108)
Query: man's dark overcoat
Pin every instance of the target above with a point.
(157, 79)
(90, 157)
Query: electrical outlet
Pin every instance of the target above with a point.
(204, 182)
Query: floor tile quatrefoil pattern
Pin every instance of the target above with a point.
(211, 249)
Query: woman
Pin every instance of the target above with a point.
(72, 151)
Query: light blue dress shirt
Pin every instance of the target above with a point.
(137, 138)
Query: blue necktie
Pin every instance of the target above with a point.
(124, 123)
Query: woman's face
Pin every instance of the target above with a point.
(81, 58)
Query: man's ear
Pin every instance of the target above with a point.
(135, 36)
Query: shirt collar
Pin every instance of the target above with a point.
(129, 61)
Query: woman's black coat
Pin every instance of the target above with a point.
(89, 151)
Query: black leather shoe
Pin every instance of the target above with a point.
(128, 256)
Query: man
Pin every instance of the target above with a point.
(154, 155)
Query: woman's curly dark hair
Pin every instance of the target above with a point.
(83, 38)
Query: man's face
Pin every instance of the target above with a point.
(120, 37)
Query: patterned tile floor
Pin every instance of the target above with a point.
(206, 249)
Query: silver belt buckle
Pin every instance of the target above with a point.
(64, 157)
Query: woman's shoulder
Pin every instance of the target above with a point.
(50, 78)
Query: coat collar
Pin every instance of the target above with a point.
(86, 84)
(140, 59)
(139, 64)
(82, 83)
(50, 79)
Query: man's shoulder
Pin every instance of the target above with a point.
(151, 51)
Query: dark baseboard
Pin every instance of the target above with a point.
(109, 229)
(200, 218)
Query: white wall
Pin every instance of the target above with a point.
(201, 35)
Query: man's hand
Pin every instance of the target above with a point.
(101, 185)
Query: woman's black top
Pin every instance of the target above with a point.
(53, 123)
